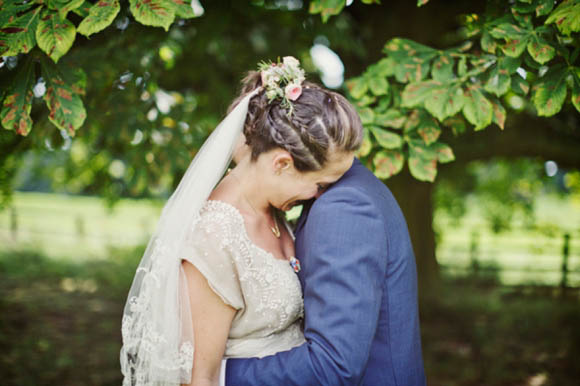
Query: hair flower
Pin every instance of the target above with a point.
(290, 61)
(293, 91)
(282, 80)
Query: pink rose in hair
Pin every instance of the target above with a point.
(293, 91)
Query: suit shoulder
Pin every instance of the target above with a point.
(362, 179)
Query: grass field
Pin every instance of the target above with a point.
(530, 254)
(62, 291)
(76, 227)
(79, 228)
(60, 324)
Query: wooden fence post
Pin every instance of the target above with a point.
(14, 223)
(473, 253)
(565, 254)
(80, 226)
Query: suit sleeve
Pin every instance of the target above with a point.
(344, 268)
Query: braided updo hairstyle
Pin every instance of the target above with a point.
(322, 122)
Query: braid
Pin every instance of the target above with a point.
(321, 121)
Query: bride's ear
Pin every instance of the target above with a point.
(282, 161)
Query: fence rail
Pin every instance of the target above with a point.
(552, 260)
(558, 267)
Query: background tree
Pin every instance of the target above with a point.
(150, 100)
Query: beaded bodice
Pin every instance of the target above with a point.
(264, 290)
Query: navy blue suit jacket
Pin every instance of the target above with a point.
(360, 295)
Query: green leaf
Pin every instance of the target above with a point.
(378, 85)
(101, 15)
(462, 66)
(411, 71)
(541, 50)
(576, 93)
(422, 162)
(411, 58)
(386, 138)
(444, 152)
(10, 10)
(566, 16)
(498, 112)
(549, 93)
(413, 120)
(366, 100)
(421, 2)
(357, 87)
(523, 8)
(404, 49)
(67, 6)
(66, 109)
(385, 67)
(83, 10)
(15, 113)
(383, 103)
(445, 102)
(367, 116)
(326, 8)
(18, 35)
(519, 85)
(156, 13)
(184, 9)
(544, 7)
(391, 118)
(367, 144)
(477, 109)
(442, 69)
(523, 19)
(487, 42)
(415, 93)
(429, 130)
(77, 79)
(456, 123)
(498, 83)
(388, 163)
(516, 38)
(55, 36)
(499, 76)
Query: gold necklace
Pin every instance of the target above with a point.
(275, 229)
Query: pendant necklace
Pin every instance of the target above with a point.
(294, 262)
(275, 229)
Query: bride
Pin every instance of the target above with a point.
(218, 278)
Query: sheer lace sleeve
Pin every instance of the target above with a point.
(213, 246)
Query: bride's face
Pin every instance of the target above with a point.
(293, 186)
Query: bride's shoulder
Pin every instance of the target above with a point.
(220, 217)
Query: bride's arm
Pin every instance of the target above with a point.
(211, 319)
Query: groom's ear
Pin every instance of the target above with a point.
(282, 161)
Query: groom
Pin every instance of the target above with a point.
(360, 295)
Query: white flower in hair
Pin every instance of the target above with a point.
(290, 61)
(282, 80)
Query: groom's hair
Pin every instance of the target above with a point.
(322, 122)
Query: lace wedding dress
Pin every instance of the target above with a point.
(264, 290)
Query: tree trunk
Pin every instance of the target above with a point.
(415, 199)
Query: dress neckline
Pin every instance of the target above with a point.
(240, 217)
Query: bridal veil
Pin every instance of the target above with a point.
(157, 331)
